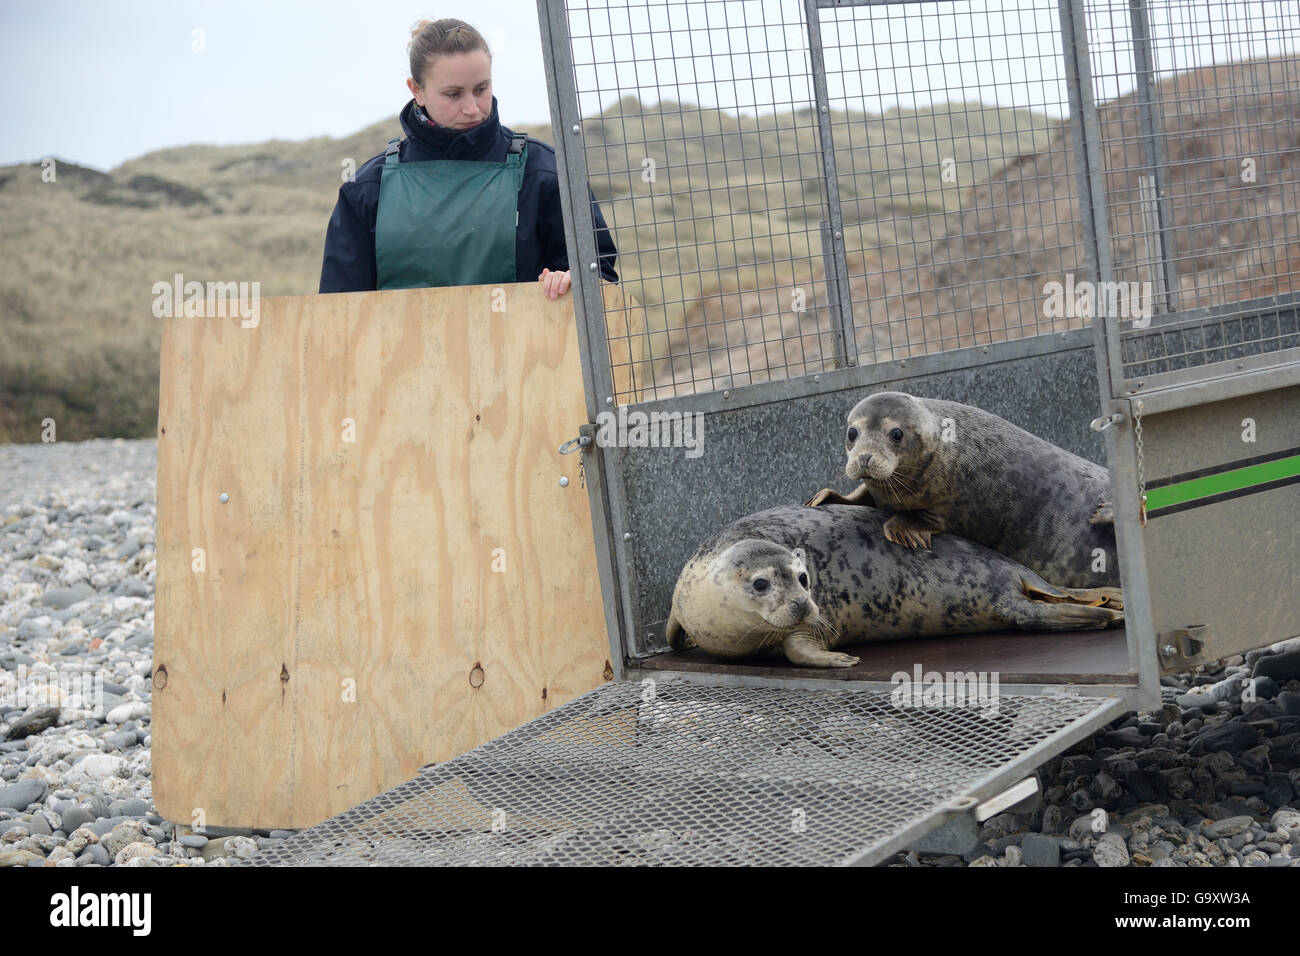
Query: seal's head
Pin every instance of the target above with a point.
(745, 597)
(890, 440)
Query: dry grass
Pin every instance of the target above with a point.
(718, 244)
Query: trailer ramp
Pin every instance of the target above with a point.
(691, 774)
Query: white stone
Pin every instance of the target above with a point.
(1287, 824)
(133, 850)
(98, 768)
(132, 710)
(74, 570)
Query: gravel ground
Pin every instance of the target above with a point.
(76, 607)
(1211, 779)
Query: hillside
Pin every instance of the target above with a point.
(981, 277)
(935, 262)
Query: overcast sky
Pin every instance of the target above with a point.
(97, 82)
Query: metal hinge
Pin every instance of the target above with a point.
(1183, 647)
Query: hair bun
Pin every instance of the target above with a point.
(420, 25)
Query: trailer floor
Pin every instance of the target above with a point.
(1074, 657)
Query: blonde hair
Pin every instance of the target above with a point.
(431, 39)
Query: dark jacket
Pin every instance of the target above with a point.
(349, 264)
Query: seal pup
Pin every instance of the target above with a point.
(803, 582)
(944, 467)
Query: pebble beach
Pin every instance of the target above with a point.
(1211, 779)
(76, 655)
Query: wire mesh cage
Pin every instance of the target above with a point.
(798, 185)
(1198, 115)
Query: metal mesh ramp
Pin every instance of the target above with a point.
(689, 774)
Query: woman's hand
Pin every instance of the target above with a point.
(554, 284)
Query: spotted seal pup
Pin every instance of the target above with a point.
(804, 581)
(944, 467)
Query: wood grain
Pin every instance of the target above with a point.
(349, 625)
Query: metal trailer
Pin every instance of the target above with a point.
(931, 278)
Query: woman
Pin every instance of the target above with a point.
(462, 200)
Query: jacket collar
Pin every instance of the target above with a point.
(481, 142)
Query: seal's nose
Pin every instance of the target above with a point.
(799, 607)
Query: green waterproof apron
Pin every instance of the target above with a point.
(448, 221)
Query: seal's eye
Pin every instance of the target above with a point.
(803, 580)
(760, 584)
(896, 434)
(853, 435)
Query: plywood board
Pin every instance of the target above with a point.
(397, 574)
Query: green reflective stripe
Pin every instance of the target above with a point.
(1225, 481)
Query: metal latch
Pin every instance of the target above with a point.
(1105, 421)
(1183, 646)
(573, 444)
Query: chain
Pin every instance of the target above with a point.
(1142, 477)
(582, 471)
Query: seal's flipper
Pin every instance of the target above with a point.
(805, 649)
(677, 637)
(1105, 514)
(1050, 608)
(829, 496)
(913, 528)
(1040, 616)
(1098, 597)
(1092, 597)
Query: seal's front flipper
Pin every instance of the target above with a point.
(1105, 514)
(829, 496)
(677, 637)
(913, 528)
(802, 648)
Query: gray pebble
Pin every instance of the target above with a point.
(134, 587)
(37, 722)
(21, 795)
(75, 816)
(128, 548)
(98, 854)
(1227, 828)
(65, 597)
(121, 740)
(1038, 849)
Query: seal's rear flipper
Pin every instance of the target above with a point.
(1093, 597)
(829, 496)
(1051, 608)
(1105, 514)
(1069, 617)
